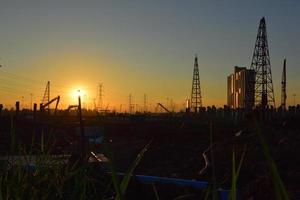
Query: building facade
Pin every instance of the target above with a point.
(240, 88)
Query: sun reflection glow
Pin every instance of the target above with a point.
(75, 93)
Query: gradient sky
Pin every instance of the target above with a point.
(140, 47)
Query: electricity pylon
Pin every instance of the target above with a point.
(196, 99)
(283, 86)
(264, 92)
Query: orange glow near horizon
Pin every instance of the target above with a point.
(75, 93)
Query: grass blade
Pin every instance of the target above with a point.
(155, 191)
(115, 180)
(234, 178)
(235, 173)
(214, 182)
(281, 193)
(207, 193)
(128, 175)
(184, 196)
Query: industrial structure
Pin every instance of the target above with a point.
(283, 86)
(263, 90)
(163, 107)
(196, 98)
(130, 104)
(145, 103)
(43, 106)
(100, 99)
(46, 97)
(240, 88)
(46, 102)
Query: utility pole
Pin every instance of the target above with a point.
(130, 104)
(294, 100)
(171, 105)
(95, 106)
(31, 101)
(22, 103)
(263, 92)
(283, 86)
(84, 102)
(167, 103)
(82, 138)
(145, 103)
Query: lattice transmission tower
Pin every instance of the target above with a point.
(264, 92)
(46, 97)
(196, 99)
(130, 104)
(145, 103)
(100, 97)
(283, 86)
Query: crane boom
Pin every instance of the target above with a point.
(163, 107)
(43, 106)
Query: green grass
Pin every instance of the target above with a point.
(77, 180)
(214, 187)
(53, 180)
(236, 173)
(155, 191)
(121, 187)
(280, 190)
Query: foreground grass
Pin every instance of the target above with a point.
(76, 179)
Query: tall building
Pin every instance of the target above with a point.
(240, 88)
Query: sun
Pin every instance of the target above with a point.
(79, 92)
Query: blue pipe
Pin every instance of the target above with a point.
(224, 194)
(176, 181)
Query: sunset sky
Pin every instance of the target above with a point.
(140, 47)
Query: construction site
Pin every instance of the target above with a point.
(189, 151)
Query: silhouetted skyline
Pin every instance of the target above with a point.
(139, 48)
